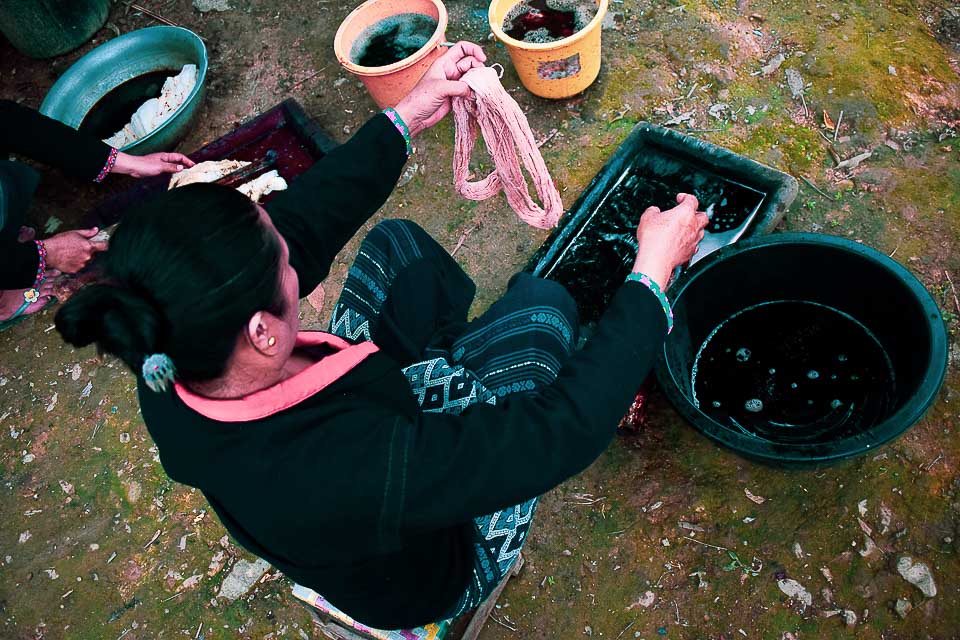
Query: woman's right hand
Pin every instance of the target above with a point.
(70, 251)
(668, 239)
(429, 101)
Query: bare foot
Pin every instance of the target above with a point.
(12, 299)
(26, 234)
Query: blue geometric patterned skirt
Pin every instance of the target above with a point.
(517, 346)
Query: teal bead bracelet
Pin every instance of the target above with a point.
(648, 282)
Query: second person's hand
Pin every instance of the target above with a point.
(70, 251)
(152, 164)
(429, 101)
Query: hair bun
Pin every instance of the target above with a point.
(119, 320)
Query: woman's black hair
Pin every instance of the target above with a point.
(183, 275)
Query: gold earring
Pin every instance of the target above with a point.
(272, 341)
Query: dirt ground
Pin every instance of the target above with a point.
(659, 538)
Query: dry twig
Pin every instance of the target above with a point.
(309, 77)
(712, 546)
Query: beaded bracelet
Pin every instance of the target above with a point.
(401, 126)
(32, 294)
(648, 282)
(108, 165)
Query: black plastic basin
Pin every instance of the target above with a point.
(809, 349)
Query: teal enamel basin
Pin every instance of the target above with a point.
(133, 55)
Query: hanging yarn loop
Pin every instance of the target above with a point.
(492, 111)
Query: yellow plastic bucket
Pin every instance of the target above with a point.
(553, 69)
(389, 84)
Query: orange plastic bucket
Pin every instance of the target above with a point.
(388, 85)
(553, 69)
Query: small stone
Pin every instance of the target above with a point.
(26, 535)
(645, 601)
(134, 491)
(408, 174)
(51, 573)
(918, 574)
(795, 82)
(67, 487)
(795, 590)
(771, 67)
(242, 577)
(798, 550)
(28, 458)
(892, 70)
(94, 546)
(827, 574)
(665, 542)
(903, 607)
(588, 630)
(211, 5)
(566, 552)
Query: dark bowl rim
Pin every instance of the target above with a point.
(895, 425)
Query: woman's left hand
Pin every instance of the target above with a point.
(151, 165)
(429, 101)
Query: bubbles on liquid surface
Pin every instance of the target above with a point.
(753, 405)
(842, 357)
(743, 354)
(813, 374)
(772, 371)
(716, 404)
(836, 404)
(793, 385)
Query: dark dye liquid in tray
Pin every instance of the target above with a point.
(392, 39)
(600, 257)
(114, 110)
(793, 372)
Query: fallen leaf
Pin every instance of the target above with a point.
(828, 121)
(753, 498)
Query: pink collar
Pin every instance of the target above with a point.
(289, 392)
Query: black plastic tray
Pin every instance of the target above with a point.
(673, 159)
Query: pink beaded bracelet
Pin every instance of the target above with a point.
(108, 166)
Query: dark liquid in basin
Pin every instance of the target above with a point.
(392, 39)
(793, 372)
(114, 110)
(541, 21)
(598, 260)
